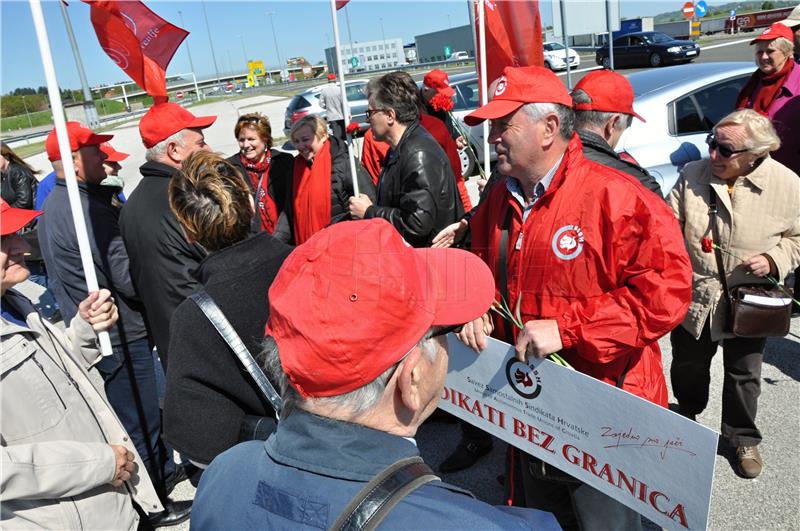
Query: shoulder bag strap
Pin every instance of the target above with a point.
(225, 329)
(502, 268)
(712, 213)
(378, 497)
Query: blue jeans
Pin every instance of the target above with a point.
(131, 386)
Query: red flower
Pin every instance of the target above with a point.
(440, 102)
(353, 128)
(706, 244)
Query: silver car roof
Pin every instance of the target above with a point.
(683, 78)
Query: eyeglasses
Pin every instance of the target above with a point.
(370, 112)
(251, 119)
(443, 331)
(722, 149)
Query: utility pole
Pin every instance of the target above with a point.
(210, 42)
(30, 123)
(189, 53)
(88, 102)
(383, 35)
(244, 51)
(349, 39)
(271, 15)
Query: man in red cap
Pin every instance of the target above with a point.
(597, 267)
(161, 260)
(330, 99)
(437, 95)
(63, 446)
(112, 166)
(352, 404)
(129, 374)
(603, 104)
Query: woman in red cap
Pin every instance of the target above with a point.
(321, 182)
(774, 90)
(266, 170)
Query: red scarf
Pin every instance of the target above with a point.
(259, 179)
(768, 88)
(311, 190)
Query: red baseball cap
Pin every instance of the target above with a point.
(355, 298)
(609, 91)
(438, 79)
(79, 136)
(518, 86)
(13, 219)
(331, 77)
(113, 154)
(773, 32)
(165, 119)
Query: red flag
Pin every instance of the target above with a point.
(340, 4)
(513, 35)
(138, 40)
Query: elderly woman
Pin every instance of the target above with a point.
(267, 171)
(211, 402)
(774, 90)
(321, 182)
(763, 197)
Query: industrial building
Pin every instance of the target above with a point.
(439, 45)
(367, 56)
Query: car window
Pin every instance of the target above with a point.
(700, 111)
(297, 103)
(355, 92)
(553, 46)
(622, 41)
(660, 37)
(466, 96)
(636, 41)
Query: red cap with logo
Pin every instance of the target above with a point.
(609, 92)
(165, 119)
(773, 32)
(113, 154)
(438, 79)
(13, 219)
(79, 136)
(355, 298)
(518, 86)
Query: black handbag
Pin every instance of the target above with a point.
(754, 310)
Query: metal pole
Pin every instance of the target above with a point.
(30, 123)
(566, 40)
(189, 53)
(271, 15)
(610, 35)
(349, 36)
(196, 88)
(345, 104)
(484, 85)
(210, 42)
(244, 51)
(88, 102)
(66, 157)
(125, 97)
(383, 35)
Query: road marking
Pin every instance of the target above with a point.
(725, 44)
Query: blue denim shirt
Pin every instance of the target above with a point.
(310, 469)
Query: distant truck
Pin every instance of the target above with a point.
(758, 19)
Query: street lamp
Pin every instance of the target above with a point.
(188, 52)
(383, 34)
(271, 15)
(210, 42)
(244, 51)
(30, 123)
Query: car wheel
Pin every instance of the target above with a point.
(655, 60)
(548, 65)
(607, 63)
(467, 162)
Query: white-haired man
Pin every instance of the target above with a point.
(355, 391)
(161, 260)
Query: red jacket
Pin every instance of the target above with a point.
(605, 258)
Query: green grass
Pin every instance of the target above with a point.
(28, 150)
(15, 123)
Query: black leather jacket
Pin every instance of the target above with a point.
(18, 186)
(417, 189)
(597, 149)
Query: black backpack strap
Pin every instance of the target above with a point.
(502, 268)
(225, 329)
(378, 497)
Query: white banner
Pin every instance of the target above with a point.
(655, 461)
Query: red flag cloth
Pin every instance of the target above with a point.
(341, 3)
(513, 35)
(138, 40)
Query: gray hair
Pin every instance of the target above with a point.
(761, 135)
(566, 116)
(597, 119)
(158, 152)
(356, 402)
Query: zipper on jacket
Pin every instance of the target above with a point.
(52, 385)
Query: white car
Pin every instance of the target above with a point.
(555, 56)
(681, 104)
(466, 100)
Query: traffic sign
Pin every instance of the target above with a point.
(688, 10)
(354, 61)
(733, 13)
(229, 86)
(179, 95)
(701, 8)
(448, 51)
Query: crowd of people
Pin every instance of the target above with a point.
(345, 300)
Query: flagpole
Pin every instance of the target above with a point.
(345, 104)
(484, 85)
(66, 159)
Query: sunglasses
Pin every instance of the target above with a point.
(371, 112)
(722, 149)
(443, 331)
(251, 120)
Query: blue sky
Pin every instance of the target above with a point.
(303, 27)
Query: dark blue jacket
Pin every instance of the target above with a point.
(310, 469)
(59, 247)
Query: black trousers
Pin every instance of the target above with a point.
(691, 375)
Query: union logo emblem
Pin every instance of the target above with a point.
(501, 86)
(568, 242)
